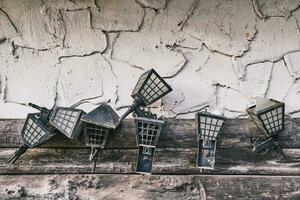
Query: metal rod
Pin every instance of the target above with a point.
(279, 150)
(264, 146)
(18, 154)
(93, 157)
(132, 108)
(35, 106)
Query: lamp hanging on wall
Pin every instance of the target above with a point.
(268, 116)
(35, 131)
(97, 125)
(147, 134)
(149, 88)
(67, 121)
(208, 128)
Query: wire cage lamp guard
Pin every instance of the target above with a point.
(147, 134)
(208, 128)
(270, 122)
(97, 125)
(149, 88)
(35, 131)
(67, 121)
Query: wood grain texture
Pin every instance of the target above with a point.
(166, 161)
(177, 133)
(60, 169)
(135, 187)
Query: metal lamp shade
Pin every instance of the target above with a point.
(147, 134)
(208, 128)
(150, 87)
(148, 131)
(95, 136)
(66, 120)
(97, 125)
(270, 120)
(34, 132)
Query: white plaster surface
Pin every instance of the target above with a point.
(217, 53)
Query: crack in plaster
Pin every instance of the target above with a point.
(257, 10)
(287, 14)
(98, 23)
(154, 4)
(201, 31)
(181, 65)
(202, 107)
(188, 15)
(269, 80)
(119, 60)
(11, 22)
(78, 55)
(281, 57)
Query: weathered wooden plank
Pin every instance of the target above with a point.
(166, 161)
(135, 187)
(176, 133)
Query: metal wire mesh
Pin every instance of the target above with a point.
(65, 119)
(148, 131)
(34, 131)
(209, 125)
(273, 120)
(95, 136)
(270, 120)
(153, 89)
(259, 124)
(150, 87)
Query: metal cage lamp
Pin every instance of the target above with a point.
(35, 131)
(208, 128)
(147, 134)
(97, 125)
(268, 116)
(67, 121)
(149, 88)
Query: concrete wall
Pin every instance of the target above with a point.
(221, 53)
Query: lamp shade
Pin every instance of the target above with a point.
(97, 125)
(148, 131)
(208, 125)
(208, 128)
(270, 118)
(66, 120)
(34, 132)
(150, 87)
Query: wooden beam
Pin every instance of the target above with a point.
(178, 133)
(135, 187)
(166, 161)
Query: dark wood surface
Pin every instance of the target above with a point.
(135, 187)
(60, 169)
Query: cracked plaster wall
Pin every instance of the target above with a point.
(221, 53)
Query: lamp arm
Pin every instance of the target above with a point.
(93, 157)
(18, 153)
(45, 113)
(135, 105)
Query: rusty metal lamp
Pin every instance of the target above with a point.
(268, 116)
(35, 131)
(149, 88)
(97, 125)
(147, 134)
(67, 121)
(208, 128)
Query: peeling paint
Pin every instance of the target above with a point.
(213, 53)
(129, 15)
(155, 4)
(231, 22)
